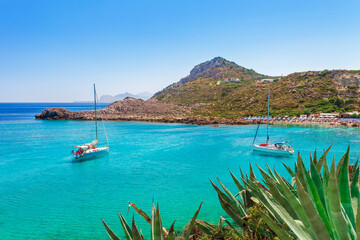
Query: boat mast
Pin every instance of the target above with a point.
(95, 116)
(267, 124)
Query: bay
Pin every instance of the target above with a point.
(45, 195)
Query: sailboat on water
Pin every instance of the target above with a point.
(89, 150)
(277, 148)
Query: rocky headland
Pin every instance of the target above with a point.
(132, 109)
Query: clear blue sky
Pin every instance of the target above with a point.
(53, 50)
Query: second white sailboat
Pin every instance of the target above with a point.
(277, 148)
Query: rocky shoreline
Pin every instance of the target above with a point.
(63, 114)
(131, 109)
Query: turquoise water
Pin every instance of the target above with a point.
(44, 195)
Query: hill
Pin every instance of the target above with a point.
(227, 90)
(111, 99)
(209, 72)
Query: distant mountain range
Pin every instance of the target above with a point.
(111, 99)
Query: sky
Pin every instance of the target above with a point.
(53, 51)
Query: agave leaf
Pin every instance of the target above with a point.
(242, 174)
(290, 171)
(126, 227)
(111, 234)
(314, 196)
(279, 232)
(354, 167)
(358, 224)
(256, 191)
(239, 186)
(270, 172)
(318, 183)
(233, 199)
(141, 212)
(344, 185)
(338, 221)
(316, 222)
(293, 181)
(134, 231)
(192, 223)
(276, 193)
(326, 175)
(322, 159)
(315, 158)
(290, 186)
(158, 235)
(292, 198)
(237, 208)
(291, 223)
(145, 216)
(206, 227)
(232, 227)
(153, 212)
(341, 162)
(300, 171)
(349, 225)
(355, 194)
(245, 196)
(171, 235)
(236, 217)
(252, 175)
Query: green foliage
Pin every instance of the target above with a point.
(222, 232)
(157, 230)
(289, 95)
(323, 205)
(307, 111)
(323, 73)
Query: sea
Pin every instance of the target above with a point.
(44, 194)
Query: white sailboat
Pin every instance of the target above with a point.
(277, 148)
(89, 150)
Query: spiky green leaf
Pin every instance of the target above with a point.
(192, 223)
(126, 227)
(111, 234)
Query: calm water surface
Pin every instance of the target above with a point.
(44, 195)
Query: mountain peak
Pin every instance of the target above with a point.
(216, 62)
(215, 69)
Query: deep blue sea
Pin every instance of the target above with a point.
(45, 195)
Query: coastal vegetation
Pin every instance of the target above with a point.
(321, 202)
(294, 94)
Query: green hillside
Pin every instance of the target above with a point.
(225, 89)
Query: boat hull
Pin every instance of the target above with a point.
(92, 153)
(272, 151)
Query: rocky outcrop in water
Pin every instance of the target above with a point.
(131, 109)
(127, 109)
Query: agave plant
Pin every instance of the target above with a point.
(158, 232)
(319, 203)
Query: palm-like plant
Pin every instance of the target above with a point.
(158, 232)
(321, 203)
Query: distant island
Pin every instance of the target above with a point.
(121, 96)
(223, 91)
